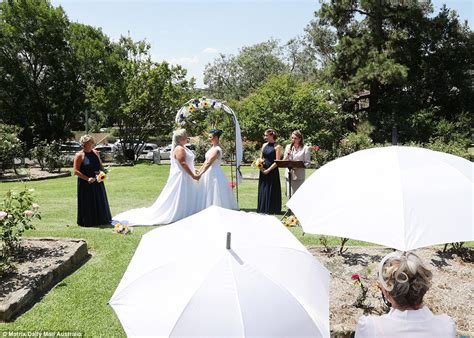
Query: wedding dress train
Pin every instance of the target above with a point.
(178, 199)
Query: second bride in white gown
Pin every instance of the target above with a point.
(179, 197)
(214, 186)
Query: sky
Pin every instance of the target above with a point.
(193, 33)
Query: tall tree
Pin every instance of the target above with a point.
(144, 99)
(234, 77)
(285, 103)
(98, 66)
(393, 49)
(38, 80)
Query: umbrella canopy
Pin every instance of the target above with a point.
(183, 280)
(400, 197)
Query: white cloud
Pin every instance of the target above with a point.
(185, 61)
(209, 50)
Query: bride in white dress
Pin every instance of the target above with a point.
(178, 198)
(214, 185)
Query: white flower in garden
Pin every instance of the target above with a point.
(3, 214)
(29, 213)
(31, 190)
(35, 206)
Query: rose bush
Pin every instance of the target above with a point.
(17, 212)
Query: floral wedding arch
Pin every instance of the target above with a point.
(195, 105)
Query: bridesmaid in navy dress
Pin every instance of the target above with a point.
(269, 187)
(92, 205)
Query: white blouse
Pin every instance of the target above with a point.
(420, 323)
(300, 154)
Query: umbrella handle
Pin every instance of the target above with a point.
(227, 246)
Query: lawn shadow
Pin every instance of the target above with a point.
(101, 226)
(281, 213)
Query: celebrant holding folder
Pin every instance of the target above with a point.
(296, 151)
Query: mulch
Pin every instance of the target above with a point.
(452, 290)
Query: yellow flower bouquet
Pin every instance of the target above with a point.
(101, 176)
(123, 229)
(291, 221)
(258, 163)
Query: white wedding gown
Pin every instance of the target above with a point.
(178, 199)
(215, 186)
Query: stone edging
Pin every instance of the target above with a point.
(20, 300)
(26, 178)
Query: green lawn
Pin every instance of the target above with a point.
(79, 303)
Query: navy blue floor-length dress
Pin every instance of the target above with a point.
(92, 204)
(269, 187)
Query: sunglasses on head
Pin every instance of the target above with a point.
(385, 301)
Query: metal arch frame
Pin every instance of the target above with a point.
(198, 104)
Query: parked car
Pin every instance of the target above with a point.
(165, 152)
(147, 151)
(140, 144)
(137, 146)
(70, 147)
(106, 152)
(68, 150)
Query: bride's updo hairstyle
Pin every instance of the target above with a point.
(405, 277)
(177, 135)
(215, 132)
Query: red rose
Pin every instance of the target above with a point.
(316, 148)
(355, 277)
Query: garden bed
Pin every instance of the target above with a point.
(42, 263)
(452, 291)
(31, 174)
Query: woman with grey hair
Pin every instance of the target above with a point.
(179, 198)
(92, 204)
(404, 279)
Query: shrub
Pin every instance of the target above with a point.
(17, 212)
(458, 147)
(251, 151)
(321, 156)
(48, 156)
(10, 146)
(119, 157)
(356, 141)
(202, 146)
(455, 147)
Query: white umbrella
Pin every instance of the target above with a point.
(183, 280)
(400, 197)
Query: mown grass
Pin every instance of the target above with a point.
(79, 302)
